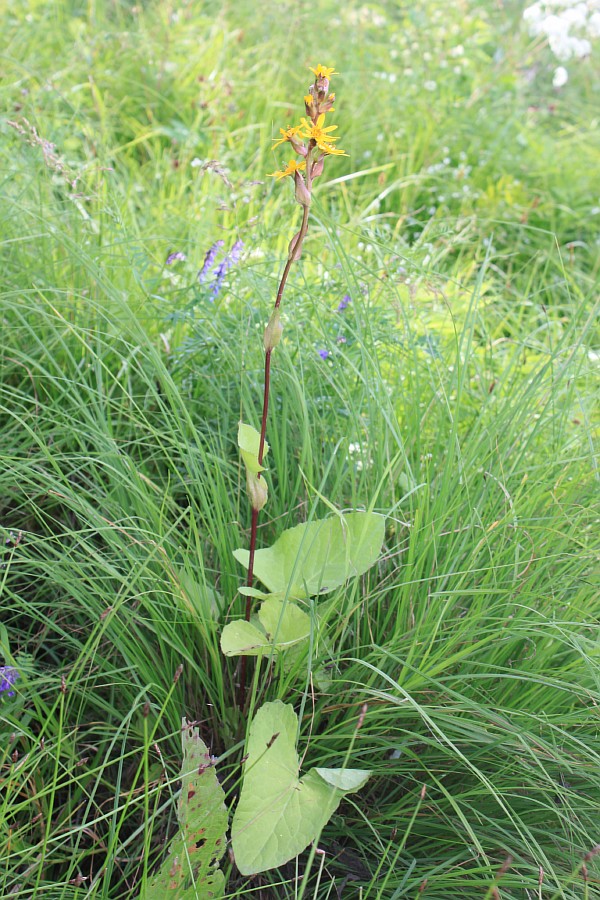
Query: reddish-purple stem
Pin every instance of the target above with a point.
(261, 446)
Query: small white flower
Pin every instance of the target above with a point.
(533, 15)
(430, 85)
(576, 16)
(593, 27)
(561, 76)
(581, 47)
(561, 46)
(553, 24)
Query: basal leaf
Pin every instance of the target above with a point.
(318, 557)
(191, 869)
(279, 813)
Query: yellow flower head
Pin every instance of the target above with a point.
(323, 71)
(316, 132)
(330, 150)
(290, 169)
(287, 134)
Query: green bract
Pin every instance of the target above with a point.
(249, 442)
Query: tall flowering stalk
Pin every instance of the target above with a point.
(311, 141)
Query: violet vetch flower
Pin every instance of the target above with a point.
(8, 676)
(209, 260)
(344, 303)
(175, 257)
(236, 252)
(323, 353)
(230, 259)
(220, 273)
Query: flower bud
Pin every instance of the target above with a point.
(295, 248)
(298, 147)
(327, 105)
(322, 86)
(273, 331)
(310, 103)
(317, 166)
(302, 192)
(258, 491)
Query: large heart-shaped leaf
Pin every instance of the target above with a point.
(279, 813)
(318, 557)
(191, 869)
(278, 625)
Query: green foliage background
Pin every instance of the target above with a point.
(459, 396)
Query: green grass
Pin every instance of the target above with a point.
(463, 228)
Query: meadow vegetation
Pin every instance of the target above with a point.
(439, 365)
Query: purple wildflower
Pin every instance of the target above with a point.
(209, 260)
(230, 259)
(175, 257)
(220, 273)
(323, 353)
(8, 676)
(344, 303)
(236, 252)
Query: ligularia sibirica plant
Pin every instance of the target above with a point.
(279, 811)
